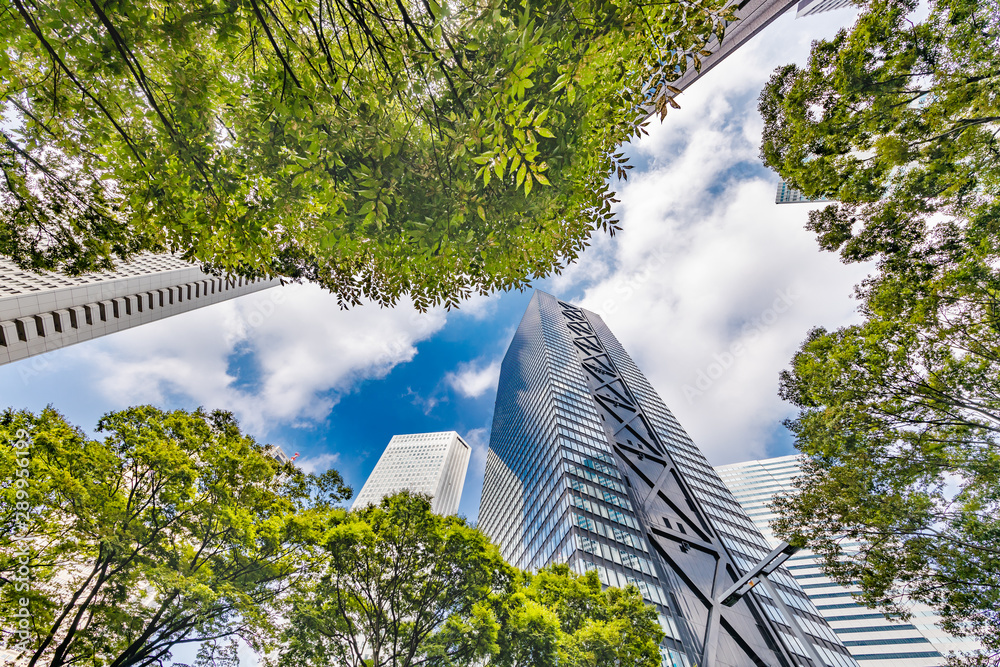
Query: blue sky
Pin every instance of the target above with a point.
(706, 261)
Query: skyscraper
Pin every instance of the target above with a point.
(431, 463)
(278, 454)
(42, 312)
(753, 16)
(587, 466)
(871, 639)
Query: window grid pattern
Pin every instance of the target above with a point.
(18, 281)
(552, 490)
(429, 463)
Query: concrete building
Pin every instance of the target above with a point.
(278, 454)
(587, 466)
(873, 640)
(431, 463)
(43, 312)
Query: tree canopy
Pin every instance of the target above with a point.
(897, 121)
(177, 530)
(173, 529)
(900, 489)
(556, 617)
(395, 585)
(380, 148)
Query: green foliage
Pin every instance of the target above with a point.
(396, 585)
(174, 528)
(899, 417)
(177, 529)
(897, 121)
(899, 426)
(556, 617)
(379, 148)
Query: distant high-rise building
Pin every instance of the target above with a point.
(278, 454)
(587, 466)
(786, 194)
(869, 636)
(431, 463)
(42, 312)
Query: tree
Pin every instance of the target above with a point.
(900, 488)
(377, 147)
(396, 585)
(174, 529)
(556, 617)
(897, 121)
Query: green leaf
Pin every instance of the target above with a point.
(211, 161)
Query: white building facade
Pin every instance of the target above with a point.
(40, 312)
(431, 463)
(873, 640)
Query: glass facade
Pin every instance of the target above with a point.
(587, 466)
(873, 640)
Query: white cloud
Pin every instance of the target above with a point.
(298, 352)
(319, 464)
(480, 307)
(479, 440)
(705, 253)
(472, 379)
(425, 403)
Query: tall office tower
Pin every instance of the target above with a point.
(753, 16)
(431, 463)
(871, 639)
(42, 312)
(587, 466)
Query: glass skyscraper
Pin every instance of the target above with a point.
(587, 466)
